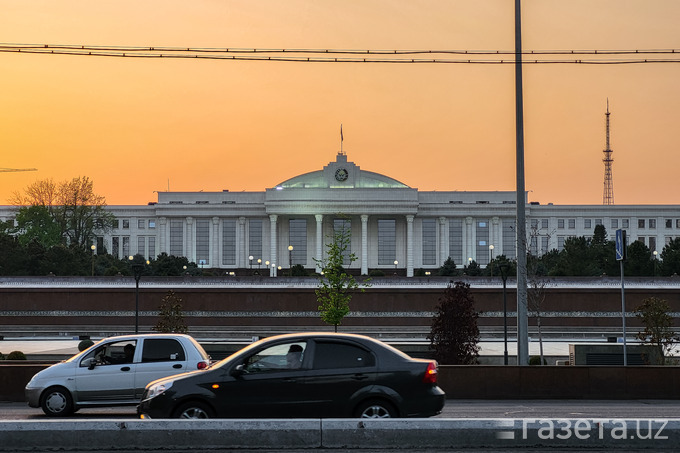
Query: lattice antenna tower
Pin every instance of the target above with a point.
(608, 195)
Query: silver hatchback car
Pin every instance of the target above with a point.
(113, 372)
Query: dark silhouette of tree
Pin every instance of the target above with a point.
(448, 269)
(454, 335)
(639, 262)
(670, 258)
(658, 323)
(171, 315)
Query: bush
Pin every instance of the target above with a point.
(536, 360)
(376, 273)
(16, 355)
(298, 270)
(83, 345)
(2, 356)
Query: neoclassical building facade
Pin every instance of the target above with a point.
(392, 226)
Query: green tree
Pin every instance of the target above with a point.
(171, 315)
(35, 223)
(336, 285)
(448, 269)
(670, 258)
(639, 262)
(658, 326)
(454, 334)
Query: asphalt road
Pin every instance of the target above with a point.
(492, 409)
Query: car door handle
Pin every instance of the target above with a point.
(359, 377)
(125, 368)
(177, 365)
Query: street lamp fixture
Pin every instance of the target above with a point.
(93, 248)
(504, 275)
(137, 270)
(491, 247)
(250, 259)
(290, 259)
(656, 254)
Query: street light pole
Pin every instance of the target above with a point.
(504, 275)
(290, 259)
(491, 259)
(137, 270)
(93, 248)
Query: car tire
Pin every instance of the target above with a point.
(193, 410)
(376, 409)
(56, 402)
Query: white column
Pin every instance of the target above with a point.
(469, 241)
(443, 243)
(189, 251)
(495, 236)
(241, 258)
(319, 241)
(215, 258)
(272, 243)
(162, 236)
(409, 246)
(364, 244)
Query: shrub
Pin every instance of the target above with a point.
(376, 273)
(2, 356)
(536, 360)
(16, 355)
(83, 345)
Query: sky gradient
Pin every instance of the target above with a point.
(135, 126)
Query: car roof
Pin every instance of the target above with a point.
(138, 336)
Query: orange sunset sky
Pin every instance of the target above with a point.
(135, 126)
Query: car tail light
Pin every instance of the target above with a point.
(202, 365)
(431, 373)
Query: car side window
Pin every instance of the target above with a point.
(162, 350)
(328, 355)
(115, 353)
(285, 356)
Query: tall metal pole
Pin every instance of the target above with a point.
(522, 313)
(137, 277)
(623, 316)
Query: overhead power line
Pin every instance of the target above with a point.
(358, 56)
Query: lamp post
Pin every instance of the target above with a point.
(656, 254)
(137, 270)
(250, 259)
(93, 248)
(396, 263)
(491, 259)
(290, 259)
(504, 275)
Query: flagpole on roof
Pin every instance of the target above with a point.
(341, 140)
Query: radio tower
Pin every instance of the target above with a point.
(608, 195)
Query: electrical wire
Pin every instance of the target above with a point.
(357, 56)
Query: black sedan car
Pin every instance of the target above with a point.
(310, 375)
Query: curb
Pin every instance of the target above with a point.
(397, 434)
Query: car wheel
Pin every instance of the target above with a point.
(56, 402)
(376, 409)
(194, 409)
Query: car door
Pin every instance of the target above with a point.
(160, 357)
(107, 373)
(340, 372)
(268, 384)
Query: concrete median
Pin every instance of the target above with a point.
(395, 434)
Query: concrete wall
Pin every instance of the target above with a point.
(489, 382)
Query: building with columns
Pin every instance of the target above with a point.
(392, 226)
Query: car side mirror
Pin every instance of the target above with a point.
(89, 363)
(238, 370)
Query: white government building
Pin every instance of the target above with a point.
(392, 226)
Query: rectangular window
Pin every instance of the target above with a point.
(115, 246)
(544, 223)
(429, 242)
(533, 245)
(587, 224)
(297, 237)
(669, 223)
(615, 223)
(677, 223)
(572, 224)
(641, 239)
(152, 224)
(176, 237)
(340, 226)
(255, 240)
(560, 223)
(544, 245)
(141, 246)
(483, 253)
(203, 242)
(652, 243)
(456, 240)
(152, 247)
(534, 224)
(115, 224)
(625, 223)
(652, 223)
(229, 242)
(126, 224)
(641, 223)
(560, 243)
(387, 242)
(126, 246)
(509, 239)
(141, 224)
(598, 222)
